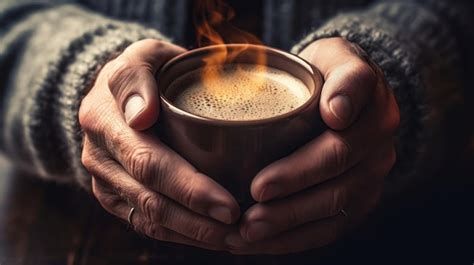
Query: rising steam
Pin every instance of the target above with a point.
(213, 27)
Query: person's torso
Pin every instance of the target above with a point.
(278, 23)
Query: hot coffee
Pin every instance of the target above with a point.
(238, 92)
(231, 120)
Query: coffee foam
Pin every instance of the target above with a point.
(242, 92)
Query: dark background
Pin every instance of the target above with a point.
(47, 223)
(433, 223)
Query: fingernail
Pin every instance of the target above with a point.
(341, 107)
(221, 213)
(270, 192)
(258, 230)
(233, 240)
(135, 104)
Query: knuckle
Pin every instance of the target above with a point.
(122, 72)
(341, 151)
(92, 157)
(147, 165)
(85, 113)
(149, 229)
(203, 233)
(89, 115)
(191, 193)
(141, 160)
(115, 67)
(190, 197)
(86, 159)
(148, 203)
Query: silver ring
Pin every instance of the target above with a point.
(130, 215)
(344, 213)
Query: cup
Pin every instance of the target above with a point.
(233, 152)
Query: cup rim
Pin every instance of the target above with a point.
(313, 71)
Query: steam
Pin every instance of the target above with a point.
(213, 27)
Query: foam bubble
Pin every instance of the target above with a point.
(244, 94)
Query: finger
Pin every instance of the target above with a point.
(330, 154)
(311, 235)
(325, 157)
(158, 167)
(159, 209)
(355, 191)
(132, 80)
(349, 80)
(155, 231)
(264, 220)
(118, 207)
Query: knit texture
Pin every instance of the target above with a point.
(50, 51)
(412, 46)
(40, 126)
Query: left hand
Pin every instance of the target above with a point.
(310, 198)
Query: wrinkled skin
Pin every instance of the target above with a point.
(131, 168)
(310, 198)
(306, 200)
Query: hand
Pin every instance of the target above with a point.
(130, 168)
(310, 198)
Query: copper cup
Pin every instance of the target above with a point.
(233, 152)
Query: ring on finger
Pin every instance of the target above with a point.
(130, 215)
(344, 213)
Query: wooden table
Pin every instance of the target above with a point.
(46, 223)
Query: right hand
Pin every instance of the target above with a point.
(130, 168)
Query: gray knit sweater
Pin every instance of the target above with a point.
(50, 50)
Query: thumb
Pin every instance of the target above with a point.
(345, 94)
(349, 80)
(132, 81)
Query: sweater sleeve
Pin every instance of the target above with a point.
(49, 54)
(421, 48)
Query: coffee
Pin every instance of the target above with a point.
(241, 92)
(230, 152)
